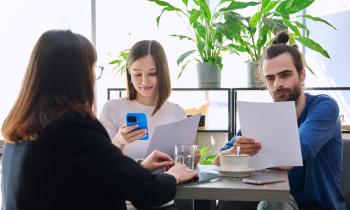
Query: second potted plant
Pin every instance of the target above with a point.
(209, 31)
(272, 16)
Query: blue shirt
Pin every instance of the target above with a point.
(317, 183)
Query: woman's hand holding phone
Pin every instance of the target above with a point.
(127, 135)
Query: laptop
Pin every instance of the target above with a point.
(203, 177)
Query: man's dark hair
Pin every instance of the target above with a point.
(280, 46)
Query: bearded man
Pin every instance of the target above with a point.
(316, 184)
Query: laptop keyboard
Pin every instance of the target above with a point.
(203, 177)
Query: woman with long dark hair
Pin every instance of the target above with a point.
(57, 154)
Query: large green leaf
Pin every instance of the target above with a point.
(309, 43)
(300, 25)
(293, 6)
(200, 31)
(271, 5)
(232, 30)
(232, 26)
(194, 15)
(254, 19)
(274, 25)
(235, 48)
(231, 16)
(264, 3)
(289, 4)
(224, 29)
(319, 20)
(209, 47)
(292, 27)
(219, 32)
(262, 38)
(185, 2)
(201, 50)
(299, 5)
(184, 56)
(281, 7)
(204, 7)
(239, 5)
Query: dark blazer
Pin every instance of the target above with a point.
(74, 165)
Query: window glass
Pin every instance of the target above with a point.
(22, 22)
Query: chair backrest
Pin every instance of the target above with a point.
(345, 179)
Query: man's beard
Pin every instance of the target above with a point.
(286, 94)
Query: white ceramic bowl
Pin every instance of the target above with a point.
(234, 162)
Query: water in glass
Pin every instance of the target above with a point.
(185, 158)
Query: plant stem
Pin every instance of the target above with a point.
(188, 25)
(254, 50)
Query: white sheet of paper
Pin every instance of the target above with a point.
(275, 126)
(180, 132)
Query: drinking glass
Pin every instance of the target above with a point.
(184, 154)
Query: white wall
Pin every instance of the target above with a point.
(22, 22)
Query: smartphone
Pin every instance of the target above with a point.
(137, 118)
(264, 181)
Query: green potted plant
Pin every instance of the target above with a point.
(209, 30)
(119, 64)
(254, 33)
(206, 159)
